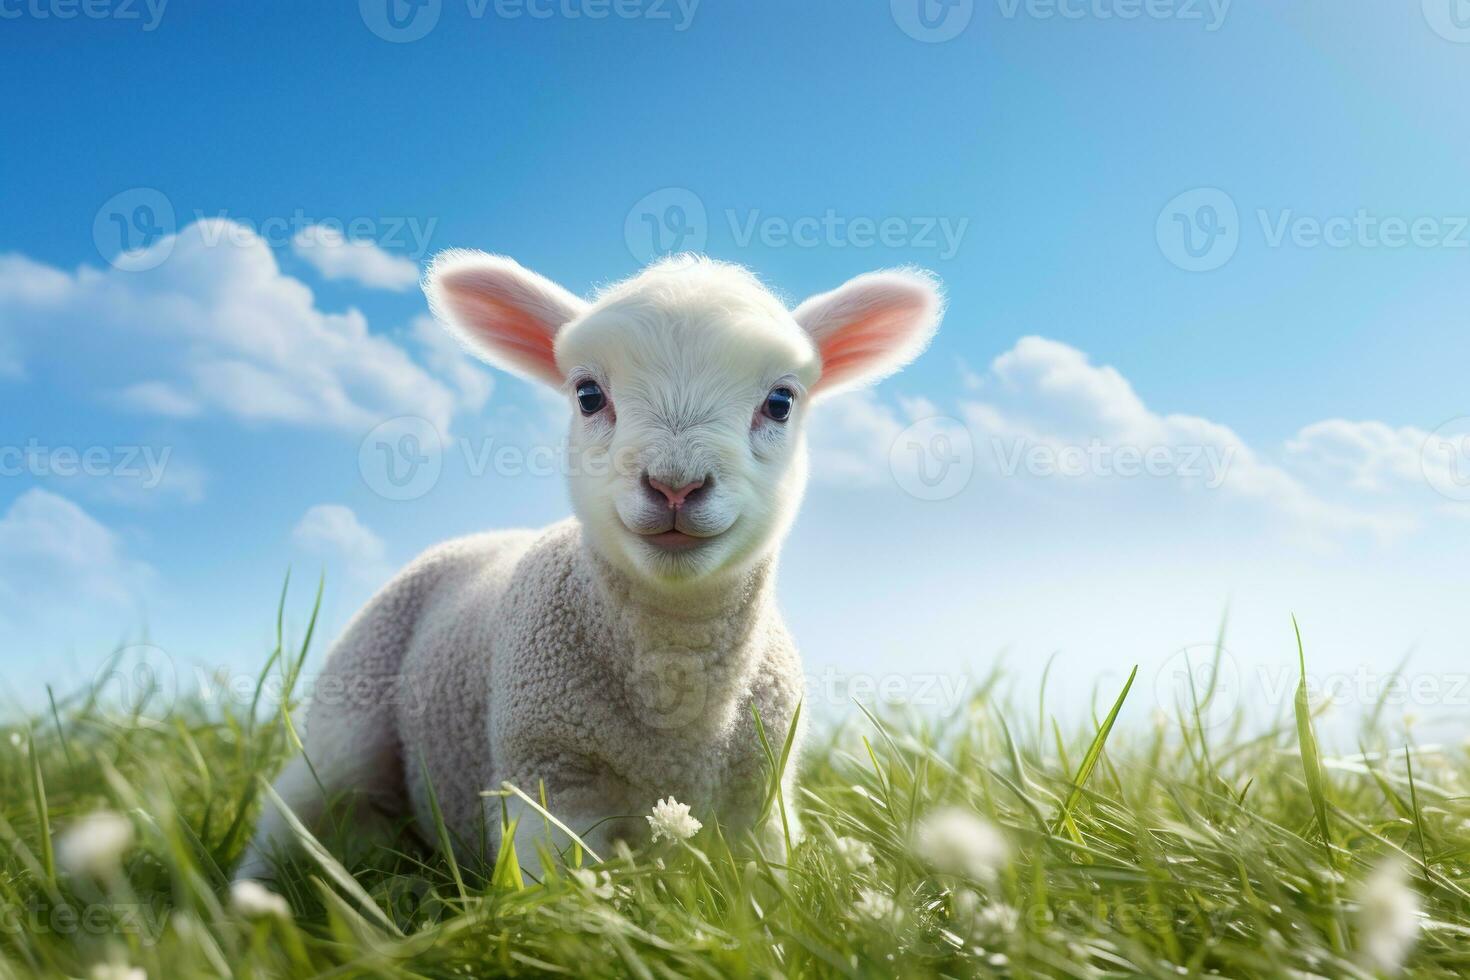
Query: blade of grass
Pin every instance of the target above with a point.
(1090, 760)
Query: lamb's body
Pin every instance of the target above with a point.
(519, 656)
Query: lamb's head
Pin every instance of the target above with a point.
(688, 387)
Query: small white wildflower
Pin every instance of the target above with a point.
(854, 853)
(1388, 917)
(113, 971)
(671, 819)
(985, 922)
(15, 740)
(875, 905)
(958, 842)
(598, 884)
(254, 901)
(95, 844)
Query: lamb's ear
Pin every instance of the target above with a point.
(503, 313)
(871, 326)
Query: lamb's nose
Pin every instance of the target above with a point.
(676, 496)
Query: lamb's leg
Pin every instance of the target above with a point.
(351, 739)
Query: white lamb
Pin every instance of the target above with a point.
(613, 658)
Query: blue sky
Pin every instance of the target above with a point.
(1045, 161)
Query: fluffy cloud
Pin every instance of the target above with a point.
(337, 257)
(449, 360)
(55, 555)
(1370, 456)
(1045, 415)
(333, 532)
(215, 328)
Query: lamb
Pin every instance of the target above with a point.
(613, 658)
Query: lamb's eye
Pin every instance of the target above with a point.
(590, 397)
(778, 403)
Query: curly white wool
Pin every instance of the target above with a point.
(672, 819)
(1388, 918)
(95, 844)
(956, 841)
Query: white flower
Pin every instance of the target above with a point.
(254, 901)
(95, 844)
(112, 971)
(594, 883)
(15, 739)
(854, 853)
(671, 819)
(985, 922)
(875, 905)
(1388, 917)
(958, 842)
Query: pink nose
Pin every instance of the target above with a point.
(675, 495)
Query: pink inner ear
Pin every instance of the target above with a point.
(873, 336)
(501, 323)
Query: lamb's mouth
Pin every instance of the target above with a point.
(676, 539)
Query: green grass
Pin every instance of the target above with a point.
(1176, 849)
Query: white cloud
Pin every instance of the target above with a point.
(449, 360)
(337, 257)
(1370, 456)
(216, 328)
(54, 556)
(1046, 416)
(333, 532)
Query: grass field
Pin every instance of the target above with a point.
(1167, 851)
